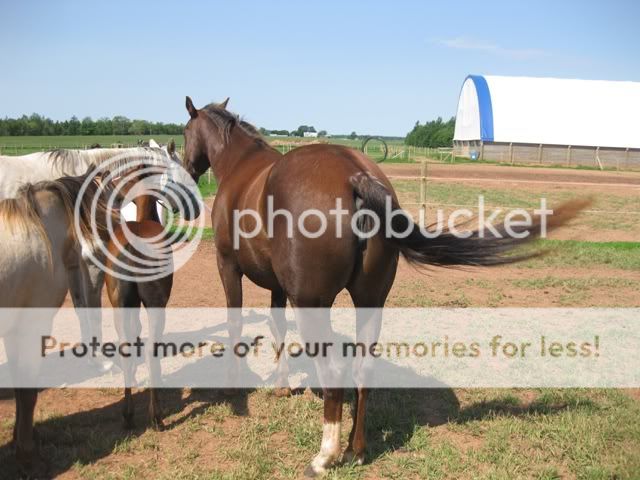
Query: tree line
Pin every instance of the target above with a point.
(35, 124)
(435, 133)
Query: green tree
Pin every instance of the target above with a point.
(87, 127)
(120, 125)
(435, 133)
(139, 127)
(73, 126)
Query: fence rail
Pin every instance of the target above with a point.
(570, 156)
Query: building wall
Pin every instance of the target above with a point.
(530, 154)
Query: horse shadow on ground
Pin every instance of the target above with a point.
(89, 435)
(393, 417)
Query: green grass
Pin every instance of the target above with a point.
(207, 186)
(574, 284)
(605, 213)
(622, 255)
(431, 434)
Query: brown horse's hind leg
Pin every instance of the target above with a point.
(330, 447)
(314, 324)
(156, 329)
(231, 277)
(368, 323)
(127, 323)
(27, 455)
(369, 290)
(278, 326)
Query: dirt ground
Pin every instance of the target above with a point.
(197, 285)
(486, 173)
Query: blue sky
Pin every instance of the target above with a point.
(372, 67)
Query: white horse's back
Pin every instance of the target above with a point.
(36, 167)
(32, 266)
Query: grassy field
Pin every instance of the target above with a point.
(30, 144)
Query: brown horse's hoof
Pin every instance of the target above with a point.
(157, 424)
(350, 458)
(282, 392)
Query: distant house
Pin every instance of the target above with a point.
(310, 134)
(271, 134)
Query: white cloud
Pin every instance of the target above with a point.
(462, 43)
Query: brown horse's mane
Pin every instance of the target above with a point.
(226, 121)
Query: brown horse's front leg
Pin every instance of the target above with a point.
(330, 446)
(27, 455)
(278, 326)
(128, 410)
(155, 412)
(231, 277)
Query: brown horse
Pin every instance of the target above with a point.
(128, 294)
(310, 272)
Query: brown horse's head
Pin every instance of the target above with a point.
(205, 135)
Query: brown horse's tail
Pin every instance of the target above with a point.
(447, 248)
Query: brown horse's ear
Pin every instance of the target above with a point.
(223, 105)
(193, 112)
(171, 147)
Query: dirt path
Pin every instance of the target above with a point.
(197, 284)
(492, 173)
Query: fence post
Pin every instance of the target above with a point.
(540, 153)
(568, 155)
(626, 158)
(423, 192)
(481, 151)
(511, 153)
(598, 158)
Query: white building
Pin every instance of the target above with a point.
(549, 121)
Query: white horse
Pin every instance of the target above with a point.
(89, 279)
(15, 171)
(38, 260)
